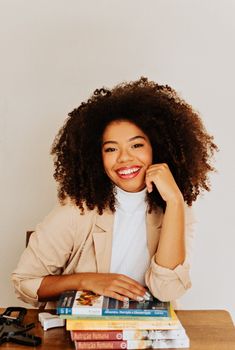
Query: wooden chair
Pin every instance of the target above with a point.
(28, 234)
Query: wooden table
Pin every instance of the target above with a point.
(207, 330)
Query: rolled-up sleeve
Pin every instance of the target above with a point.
(26, 290)
(170, 284)
(46, 254)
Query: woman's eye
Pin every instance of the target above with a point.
(110, 149)
(137, 145)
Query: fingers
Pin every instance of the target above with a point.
(125, 287)
(161, 176)
(149, 185)
(156, 169)
(118, 286)
(153, 173)
(157, 174)
(123, 294)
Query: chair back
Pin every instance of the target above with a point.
(28, 234)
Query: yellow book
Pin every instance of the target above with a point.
(151, 323)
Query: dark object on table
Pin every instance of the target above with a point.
(13, 330)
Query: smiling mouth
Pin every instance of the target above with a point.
(128, 172)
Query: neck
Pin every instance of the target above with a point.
(131, 201)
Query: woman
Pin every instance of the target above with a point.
(129, 163)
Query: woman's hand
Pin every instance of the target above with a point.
(113, 285)
(161, 176)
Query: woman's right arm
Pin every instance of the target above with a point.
(41, 274)
(47, 253)
(113, 285)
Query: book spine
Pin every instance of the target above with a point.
(72, 311)
(100, 344)
(135, 312)
(64, 311)
(170, 334)
(125, 344)
(96, 335)
(65, 303)
(112, 318)
(110, 335)
(72, 325)
(111, 312)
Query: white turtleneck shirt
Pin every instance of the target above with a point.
(130, 255)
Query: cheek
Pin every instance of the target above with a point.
(150, 155)
(147, 157)
(107, 163)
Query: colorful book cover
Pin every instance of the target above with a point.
(86, 303)
(151, 323)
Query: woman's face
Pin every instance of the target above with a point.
(126, 153)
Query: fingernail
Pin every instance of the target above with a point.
(125, 299)
(147, 296)
(140, 298)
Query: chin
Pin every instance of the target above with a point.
(132, 188)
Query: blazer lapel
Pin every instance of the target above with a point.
(103, 234)
(102, 238)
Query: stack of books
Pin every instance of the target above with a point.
(98, 322)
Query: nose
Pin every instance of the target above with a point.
(124, 156)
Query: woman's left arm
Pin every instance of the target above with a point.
(168, 276)
(171, 247)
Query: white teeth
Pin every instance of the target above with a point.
(128, 171)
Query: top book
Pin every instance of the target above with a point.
(86, 303)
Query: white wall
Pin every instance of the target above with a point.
(55, 53)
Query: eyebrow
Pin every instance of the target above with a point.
(131, 139)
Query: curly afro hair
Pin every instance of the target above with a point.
(174, 129)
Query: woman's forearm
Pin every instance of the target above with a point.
(171, 247)
(52, 286)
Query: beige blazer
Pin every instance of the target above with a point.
(67, 242)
